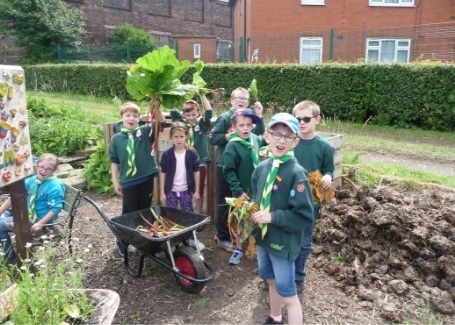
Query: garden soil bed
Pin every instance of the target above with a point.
(380, 256)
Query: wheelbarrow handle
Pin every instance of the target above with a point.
(105, 218)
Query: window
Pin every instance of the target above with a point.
(392, 3)
(161, 38)
(197, 51)
(388, 50)
(312, 2)
(224, 51)
(311, 49)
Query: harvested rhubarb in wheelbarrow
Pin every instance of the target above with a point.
(161, 227)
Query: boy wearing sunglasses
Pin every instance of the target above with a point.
(313, 152)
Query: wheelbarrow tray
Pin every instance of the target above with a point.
(125, 227)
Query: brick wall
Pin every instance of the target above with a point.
(275, 27)
(203, 19)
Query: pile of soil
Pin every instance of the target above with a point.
(392, 251)
(379, 256)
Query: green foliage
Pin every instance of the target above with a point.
(52, 131)
(128, 33)
(156, 76)
(416, 95)
(40, 24)
(46, 289)
(97, 171)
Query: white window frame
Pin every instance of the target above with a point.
(399, 3)
(312, 2)
(303, 47)
(397, 48)
(197, 50)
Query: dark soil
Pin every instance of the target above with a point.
(380, 256)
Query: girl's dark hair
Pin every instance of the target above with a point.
(175, 126)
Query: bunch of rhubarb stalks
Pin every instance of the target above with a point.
(160, 228)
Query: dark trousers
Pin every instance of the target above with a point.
(137, 197)
(224, 191)
(307, 241)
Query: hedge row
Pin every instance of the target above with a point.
(417, 95)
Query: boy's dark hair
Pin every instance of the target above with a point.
(190, 105)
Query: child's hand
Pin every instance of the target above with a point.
(326, 182)
(196, 196)
(163, 199)
(244, 197)
(262, 217)
(118, 190)
(258, 109)
(36, 228)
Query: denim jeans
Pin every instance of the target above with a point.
(5, 239)
(278, 268)
(307, 240)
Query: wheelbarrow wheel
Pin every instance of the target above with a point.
(187, 260)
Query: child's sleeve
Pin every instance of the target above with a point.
(328, 163)
(206, 122)
(230, 170)
(218, 134)
(196, 162)
(259, 129)
(300, 203)
(176, 116)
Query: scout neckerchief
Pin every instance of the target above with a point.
(32, 205)
(190, 133)
(130, 150)
(234, 136)
(267, 193)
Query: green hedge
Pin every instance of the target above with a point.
(414, 95)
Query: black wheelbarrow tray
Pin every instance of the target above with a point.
(190, 269)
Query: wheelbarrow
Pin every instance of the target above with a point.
(190, 269)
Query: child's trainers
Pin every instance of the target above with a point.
(224, 244)
(192, 242)
(235, 257)
(270, 320)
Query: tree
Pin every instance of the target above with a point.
(128, 33)
(39, 25)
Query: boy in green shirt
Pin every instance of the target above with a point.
(281, 188)
(314, 153)
(241, 156)
(219, 136)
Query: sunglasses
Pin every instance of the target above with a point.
(305, 119)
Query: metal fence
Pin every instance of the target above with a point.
(115, 53)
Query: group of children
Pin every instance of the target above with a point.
(279, 185)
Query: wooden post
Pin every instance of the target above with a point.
(212, 191)
(20, 216)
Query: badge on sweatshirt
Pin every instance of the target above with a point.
(292, 193)
(300, 188)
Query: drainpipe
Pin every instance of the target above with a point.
(244, 29)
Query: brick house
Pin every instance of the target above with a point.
(197, 29)
(309, 31)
